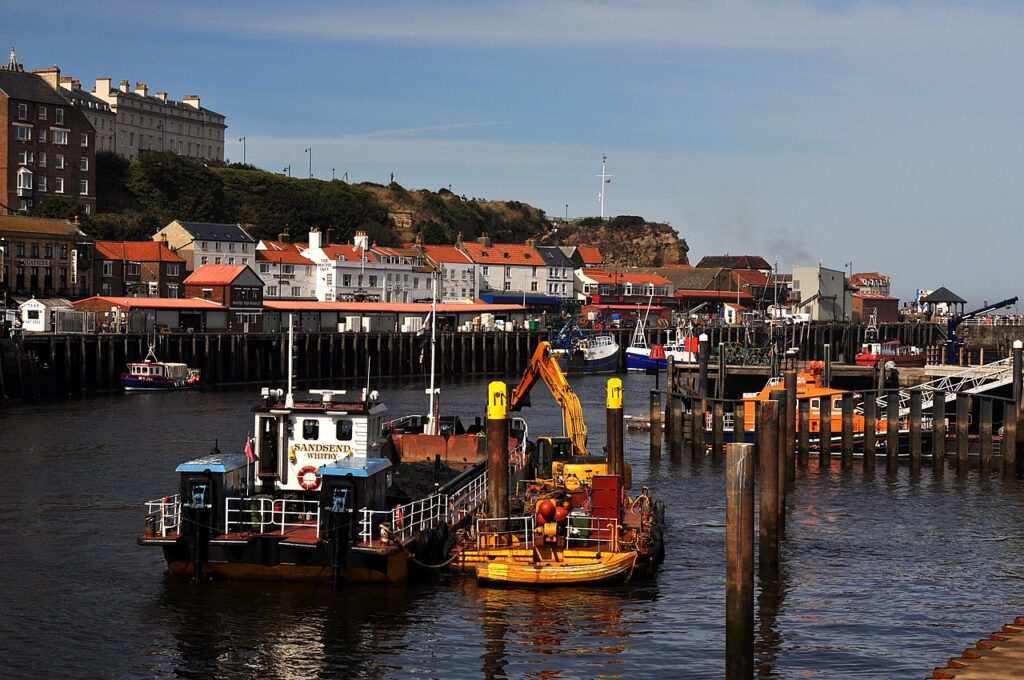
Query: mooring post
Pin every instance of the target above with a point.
(698, 443)
(1018, 400)
(670, 381)
(717, 428)
(720, 383)
(804, 445)
(789, 426)
(939, 431)
(985, 435)
(870, 429)
(613, 409)
(915, 428)
(703, 355)
(497, 451)
(676, 447)
(739, 562)
(739, 423)
(768, 455)
(1009, 439)
(825, 432)
(962, 424)
(780, 397)
(655, 421)
(892, 429)
(847, 456)
(827, 353)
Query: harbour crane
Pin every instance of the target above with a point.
(954, 343)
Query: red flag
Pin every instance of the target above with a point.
(248, 451)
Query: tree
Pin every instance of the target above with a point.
(173, 187)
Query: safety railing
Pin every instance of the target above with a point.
(505, 531)
(163, 516)
(584, 531)
(467, 500)
(266, 515)
(403, 521)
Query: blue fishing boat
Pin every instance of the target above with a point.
(580, 353)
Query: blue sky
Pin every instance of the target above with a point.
(886, 134)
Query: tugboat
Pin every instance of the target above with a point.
(312, 499)
(153, 375)
(576, 523)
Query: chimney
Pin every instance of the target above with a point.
(458, 240)
(361, 240)
(329, 237)
(141, 89)
(51, 75)
(66, 82)
(314, 238)
(531, 242)
(123, 86)
(102, 88)
(76, 84)
(162, 96)
(485, 241)
(191, 100)
(284, 237)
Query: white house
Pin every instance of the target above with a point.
(37, 316)
(457, 274)
(208, 243)
(286, 273)
(508, 267)
(356, 272)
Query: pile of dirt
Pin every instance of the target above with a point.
(417, 480)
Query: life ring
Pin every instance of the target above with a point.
(305, 481)
(575, 484)
(399, 517)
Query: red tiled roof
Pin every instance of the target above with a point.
(860, 278)
(504, 253)
(752, 277)
(283, 253)
(136, 251)
(591, 255)
(449, 254)
(872, 296)
(407, 307)
(150, 303)
(214, 275)
(725, 295)
(602, 276)
(348, 253)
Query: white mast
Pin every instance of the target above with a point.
(289, 399)
(432, 423)
(605, 179)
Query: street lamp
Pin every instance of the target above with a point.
(332, 174)
(287, 170)
(242, 140)
(309, 150)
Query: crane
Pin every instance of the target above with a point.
(953, 343)
(543, 366)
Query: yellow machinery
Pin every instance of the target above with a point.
(564, 460)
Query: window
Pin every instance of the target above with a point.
(42, 135)
(296, 291)
(131, 139)
(216, 245)
(108, 268)
(83, 187)
(216, 260)
(205, 260)
(58, 185)
(25, 182)
(231, 246)
(23, 133)
(48, 250)
(173, 269)
(207, 293)
(533, 285)
(483, 270)
(245, 247)
(310, 429)
(346, 280)
(508, 270)
(58, 161)
(344, 433)
(24, 158)
(60, 137)
(58, 116)
(41, 183)
(231, 260)
(106, 288)
(134, 268)
(42, 159)
(172, 290)
(42, 113)
(271, 291)
(83, 163)
(373, 281)
(508, 285)
(264, 268)
(20, 248)
(22, 111)
(63, 250)
(289, 269)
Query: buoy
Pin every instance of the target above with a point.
(560, 514)
(546, 509)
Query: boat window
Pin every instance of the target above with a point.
(310, 430)
(837, 404)
(344, 430)
(815, 404)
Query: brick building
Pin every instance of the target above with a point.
(137, 269)
(46, 144)
(44, 257)
(237, 287)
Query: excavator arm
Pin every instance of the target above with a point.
(544, 367)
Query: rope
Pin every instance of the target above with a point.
(435, 566)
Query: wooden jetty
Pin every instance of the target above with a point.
(1000, 656)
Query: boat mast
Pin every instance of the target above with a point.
(432, 422)
(605, 179)
(289, 399)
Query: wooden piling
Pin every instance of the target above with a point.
(870, 428)
(789, 426)
(892, 429)
(804, 443)
(915, 428)
(768, 455)
(497, 451)
(939, 432)
(825, 432)
(847, 455)
(1009, 445)
(962, 424)
(739, 562)
(739, 423)
(670, 374)
(985, 435)
(717, 431)
(655, 421)
(698, 444)
(613, 411)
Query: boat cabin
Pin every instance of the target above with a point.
(170, 371)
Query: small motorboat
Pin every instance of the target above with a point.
(151, 374)
(546, 566)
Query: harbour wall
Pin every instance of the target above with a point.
(47, 365)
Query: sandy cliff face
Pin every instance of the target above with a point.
(627, 242)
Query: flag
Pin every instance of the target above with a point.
(249, 455)
(425, 328)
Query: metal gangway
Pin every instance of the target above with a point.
(971, 380)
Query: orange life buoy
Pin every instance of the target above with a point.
(399, 517)
(308, 478)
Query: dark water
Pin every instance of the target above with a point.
(885, 576)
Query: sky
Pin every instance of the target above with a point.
(872, 136)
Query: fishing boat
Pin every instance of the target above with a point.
(545, 565)
(892, 352)
(152, 375)
(681, 347)
(311, 497)
(580, 353)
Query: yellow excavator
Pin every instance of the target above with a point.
(560, 460)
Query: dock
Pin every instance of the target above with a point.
(1000, 656)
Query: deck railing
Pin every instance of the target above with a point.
(501, 531)
(163, 516)
(267, 515)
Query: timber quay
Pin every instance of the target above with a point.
(45, 364)
(1000, 656)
